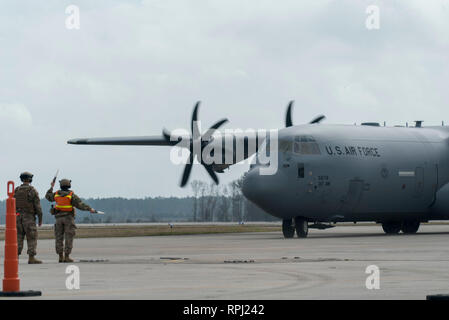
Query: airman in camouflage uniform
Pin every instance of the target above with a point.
(28, 206)
(65, 219)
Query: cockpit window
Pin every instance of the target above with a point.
(305, 145)
(304, 139)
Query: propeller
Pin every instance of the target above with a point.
(288, 116)
(196, 145)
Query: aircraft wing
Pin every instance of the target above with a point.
(228, 143)
(124, 141)
(234, 148)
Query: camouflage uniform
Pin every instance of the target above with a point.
(65, 221)
(28, 206)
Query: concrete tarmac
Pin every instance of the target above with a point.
(329, 264)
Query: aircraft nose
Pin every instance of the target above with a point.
(266, 191)
(249, 188)
(257, 188)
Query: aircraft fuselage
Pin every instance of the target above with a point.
(356, 173)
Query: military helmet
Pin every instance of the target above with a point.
(26, 176)
(65, 183)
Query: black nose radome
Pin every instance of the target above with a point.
(250, 184)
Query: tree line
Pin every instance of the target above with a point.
(209, 203)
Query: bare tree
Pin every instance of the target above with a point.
(196, 187)
(218, 203)
(211, 201)
(237, 199)
(202, 204)
(225, 204)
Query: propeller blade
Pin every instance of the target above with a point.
(197, 142)
(211, 130)
(166, 134)
(318, 119)
(187, 170)
(288, 115)
(194, 124)
(212, 173)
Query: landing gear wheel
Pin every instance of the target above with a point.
(392, 227)
(287, 228)
(410, 227)
(302, 227)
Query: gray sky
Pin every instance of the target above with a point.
(135, 67)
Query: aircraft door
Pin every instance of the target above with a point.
(305, 179)
(430, 182)
(350, 201)
(426, 184)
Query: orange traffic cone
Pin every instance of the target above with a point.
(11, 281)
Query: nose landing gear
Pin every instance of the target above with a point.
(301, 227)
(287, 228)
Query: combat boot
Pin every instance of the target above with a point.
(67, 258)
(61, 257)
(33, 260)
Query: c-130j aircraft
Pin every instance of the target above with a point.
(397, 176)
